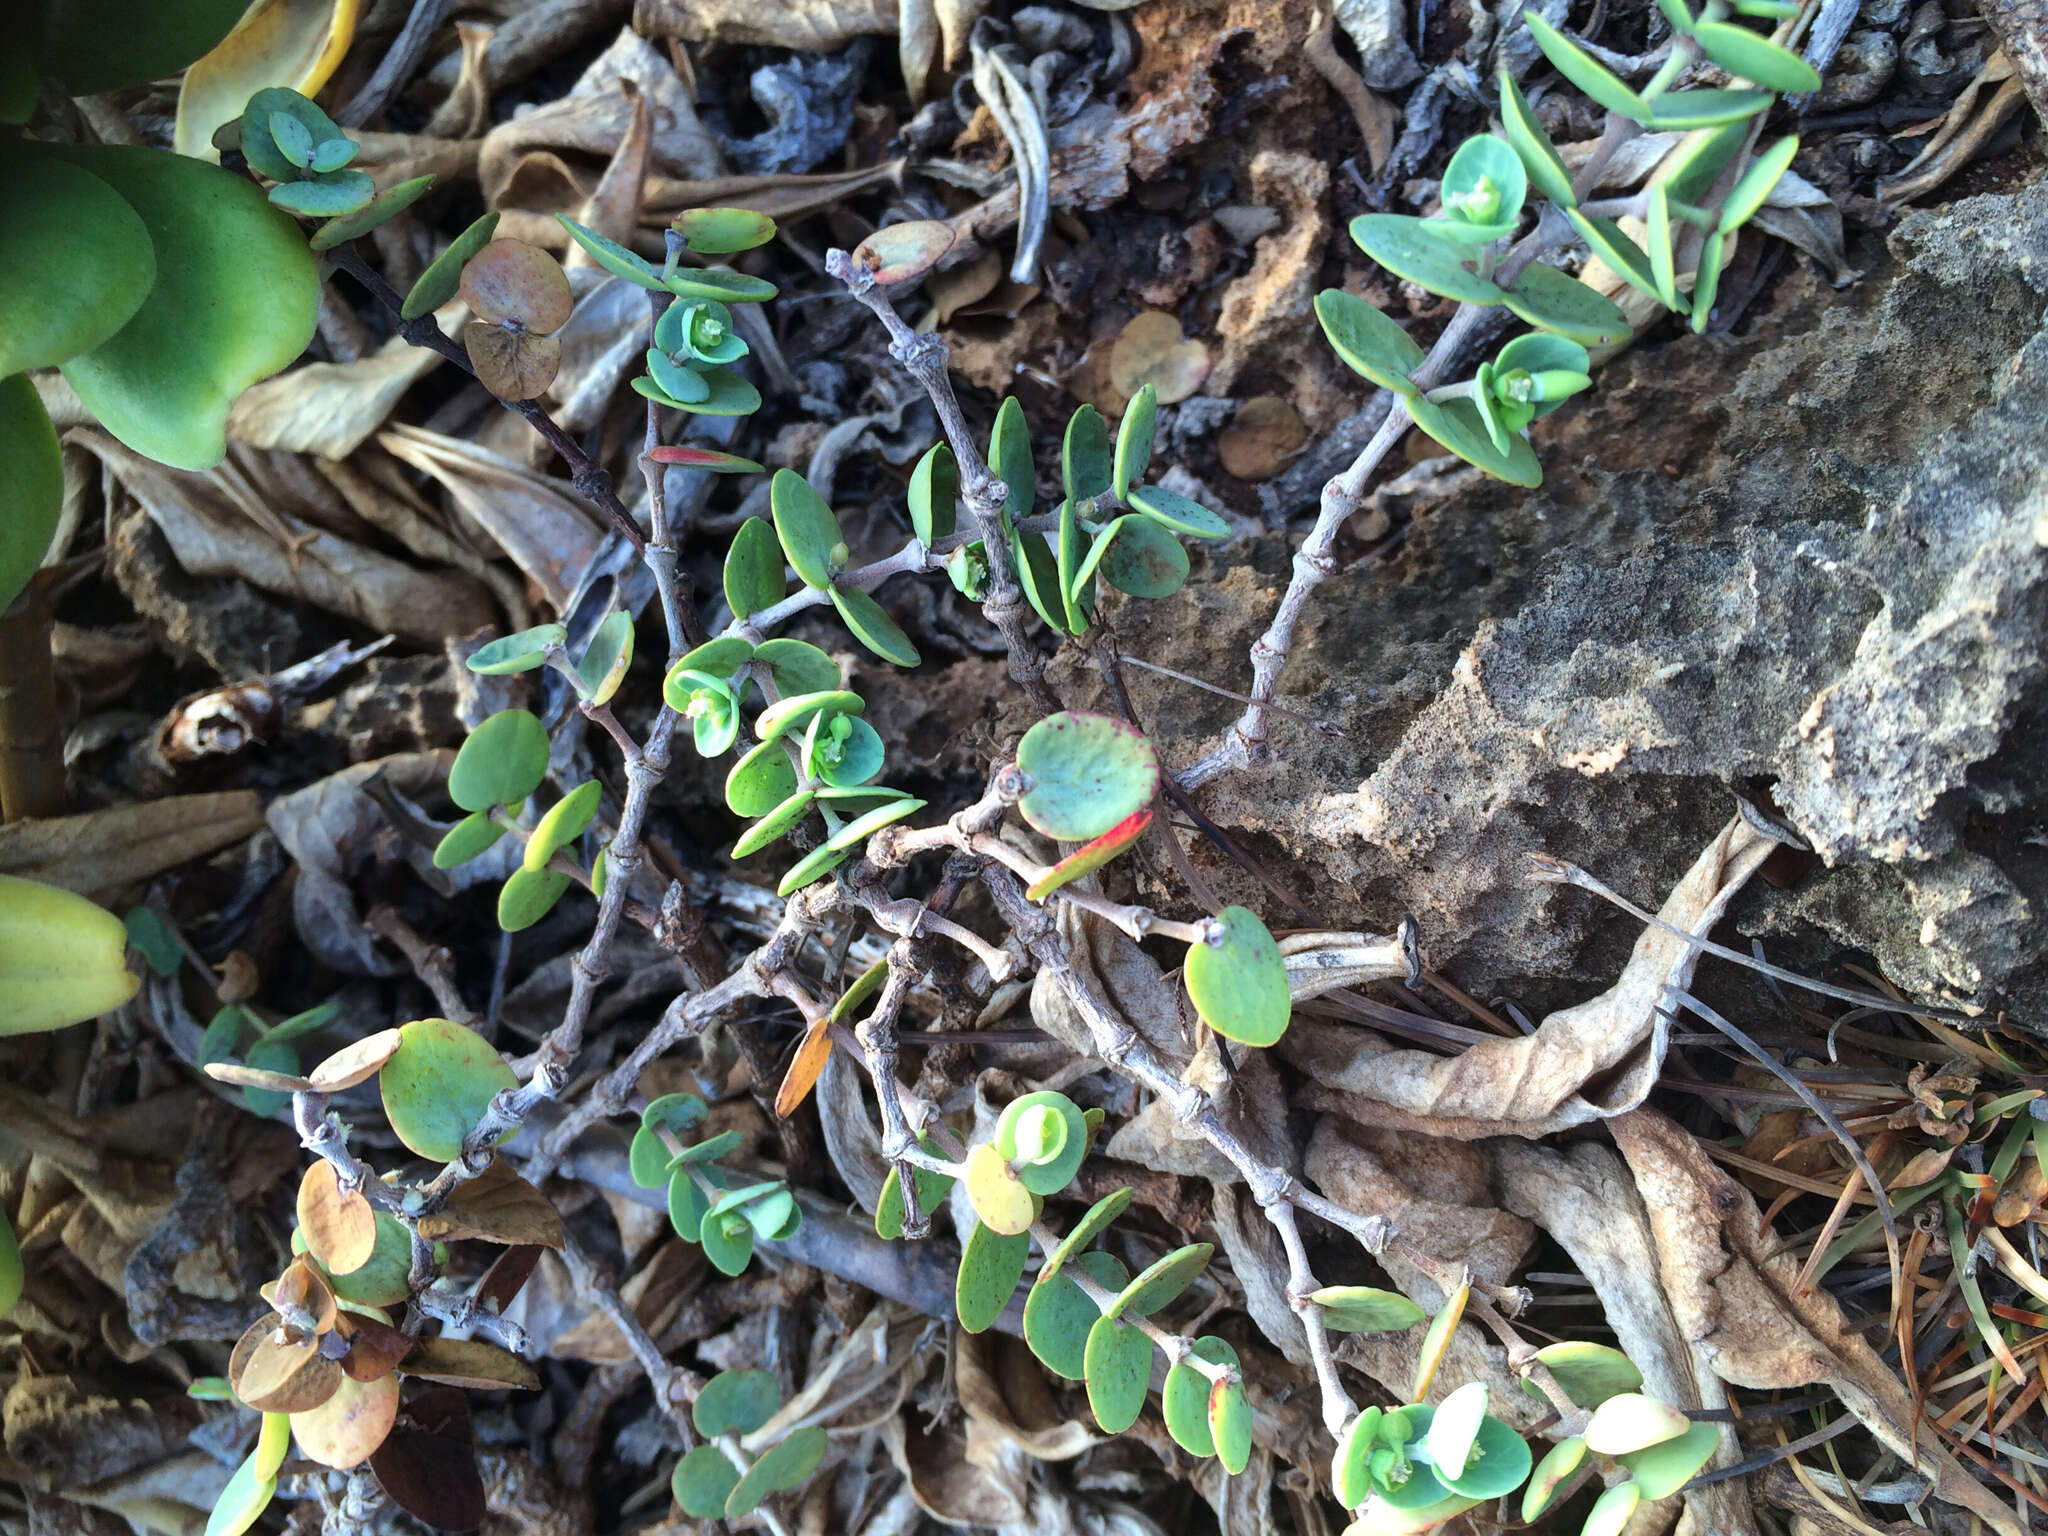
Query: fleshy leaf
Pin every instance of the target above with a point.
(709, 460)
(469, 838)
(1579, 67)
(728, 1242)
(798, 666)
(501, 763)
(902, 253)
(721, 284)
(850, 837)
(1612, 1511)
(384, 205)
(1664, 1468)
(1366, 1309)
(612, 256)
(781, 1468)
(1088, 773)
(1239, 983)
(520, 652)
(1552, 1473)
(564, 823)
(753, 568)
(1091, 856)
(809, 532)
(1230, 1424)
(872, 626)
(1184, 1402)
(1498, 1459)
(1754, 185)
(1705, 109)
(760, 781)
(76, 262)
(1142, 557)
(1000, 1199)
(702, 1482)
(1058, 1314)
(438, 1085)
(1559, 302)
(1629, 1421)
(1181, 513)
(934, 492)
(343, 1431)
(1069, 1145)
(812, 867)
(1539, 157)
(605, 660)
(1368, 341)
(438, 284)
(722, 231)
(932, 1189)
(242, 1501)
(1589, 1373)
(1413, 249)
(1087, 464)
(1134, 440)
(1160, 1282)
(990, 1267)
(1438, 1339)
(1484, 188)
(735, 1403)
(1456, 425)
(34, 495)
(1093, 1223)
(1118, 1365)
(774, 824)
(1749, 56)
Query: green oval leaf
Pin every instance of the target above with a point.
(846, 753)
(753, 569)
(438, 1084)
(1184, 1402)
(1456, 424)
(164, 381)
(1690, 170)
(564, 823)
(872, 626)
(1141, 558)
(783, 1467)
(1559, 302)
(1159, 1283)
(1612, 1511)
(605, 660)
(793, 710)
(721, 231)
(812, 867)
(1088, 772)
(720, 284)
(1368, 341)
(1239, 983)
(383, 206)
(1366, 1309)
(728, 1242)
(735, 1403)
(991, 1264)
(932, 1190)
(613, 257)
(520, 652)
(725, 394)
(1525, 135)
(688, 1203)
(244, 1498)
(934, 494)
(1663, 260)
(1230, 1425)
(501, 763)
(329, 197)
(647, 1159)
(1057, 1170)
(1748, 56)
(381, 1280)
(1178, 512)
(1134, 440)
(467, 839)
(722, 657)
(1499, 1460)
(1414, 249)
(774, 824)
(1589, 1373)
(528, 895)
(1091, 1225)
(1552, 1473)
(76, 261)
(1087, 464)
(11, 1273)
(702, 1482)
(438, 284)
(1706, 281)
(760, 781)
(1350, 1477)
(1038, 573)
(1484, 188)
(1664, 1468)
(1009, 456)
(1058, 1314)
(102, 45)
(855, 833)
(1754, 185)
(1705, 109)
(797, 666)
(809, 532)
(1118, 1365)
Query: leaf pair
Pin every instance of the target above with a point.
(810, 537)
(703, 1207)
(714, 1482)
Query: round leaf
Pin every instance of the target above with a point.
(932, 1189)
(502, 762)
(991, 1264)
(1456, 424)
(783, 1467)
(1414, 249)
(687, 1205)
(1559, 302)
(606, 659)
(380, 1281)
(1365, 1309)
(1141, 557)
(1134, 440)
(1706, 280)
(785, 714)
(340, 1225)
(1184, 1403)
(469, 838)
(808, 530)
(343, 1431)
(1091, 1225)
(1118, 1364)
(1368, 341)
(101, 45)
(1058, 1314)
(1552, 1473)
(647, 1159)
(735, 1403)
(797, 666)
(75, 262)
(934, 493)
(1484, 186)
(1496, 1463)
(1239, 984)
(1664, 1468)
(846, 753)
(1350, 1478)
(728, 1242)
(1612, 1511)
(528, 895)
(438, 1084)
(564, 823)
(1057, 1171)
(726, 394)
(1455, 1428)
(1748, 56)
(1525, 135)
(1589, 1373)
(872, 626)
(703, 1481)
(760, 781)
(1088, 772)
(721, 231)
(1000, 1199)
(512, 282)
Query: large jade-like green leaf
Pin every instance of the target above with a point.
(75, 260)
(31, 483)
(101, 45)
(234, 302)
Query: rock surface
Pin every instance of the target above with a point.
(1808, 565)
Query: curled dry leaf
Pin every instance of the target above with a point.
(255, 1077)
(100, 852)
(285, 1375)
(340, 1225)
(497, 1206)
(374, 1347)
(470, 1363)
(356, 1063)
(902, 253)
(1151, 350)
(512, 283)
(511, 364)
(302, 1288)
(1262, 437)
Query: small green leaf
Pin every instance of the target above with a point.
(333, 155)
(773, 825)
(1368, 341)
(1159, 1283)
(1664, 1468)
(1705, 109)
(384, 205)
(783, 1467)
(1239, 983)
(1092, 1224)
(798, 666)
(849, 838)
(605, 660)
(722, 657)
(520, 652)
(1009, 456)
(793, 710)
(1088, 772)
(735, 1403)
(270, 1056)
(703, 1481)
(990, 1267)
(438, 284)
(1141, 558)
(1532, 145)
(1067, 1144)
(1552, 1473)
(721, 284)
(687, 1203)
(1706, 281)
(328, 198)
(242, 1501)
(1077, 589)
(721, 231)
(1559, 302)
(1118, 1365)
(1038, 573)
(1499, 1460)
(149, 933)
(727, 394)
(438, 1085)
(728, 1242)
(1663, 260)
(1629, 1421)
(1483, 189)
(753, 569)
(1178, 512)
(1087, 465)
(1134, 440)
(1350, 1477)
(262, 146)
(932, 1190)
(677, 1112)
(1058, 1314)
(681, 382)
(872, 626)
(1442, 1328)
(843, 751)
(1230, 1425)
(304, 1023)
(1689, 171)
(612, 256)
(222, 1037)
(1754, 185)
(1610, 242)
(934, 493)
(760, 781)
(709, 1149)
(502, 762)
(1748, 56)
(809, 532)
(812, 867)
(1612, 1511)
(1579, 67)
(1414, 249)
(563, 824)
(1589, 1373)
(1184, 1403)
(1366, 1309)
(1455, 1429)
(647, 1159)
(1457, 426)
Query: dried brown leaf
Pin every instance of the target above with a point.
(99, 853)
(1262, 437)
(1151, 350)
(427, 1464)
(356, 1063)
(374, 1347)
(497, 1206)
(340, 1225)
(818, 26)
(471, 1363)
(511, 364)
(329, 409)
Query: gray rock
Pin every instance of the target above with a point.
(1809, 566)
